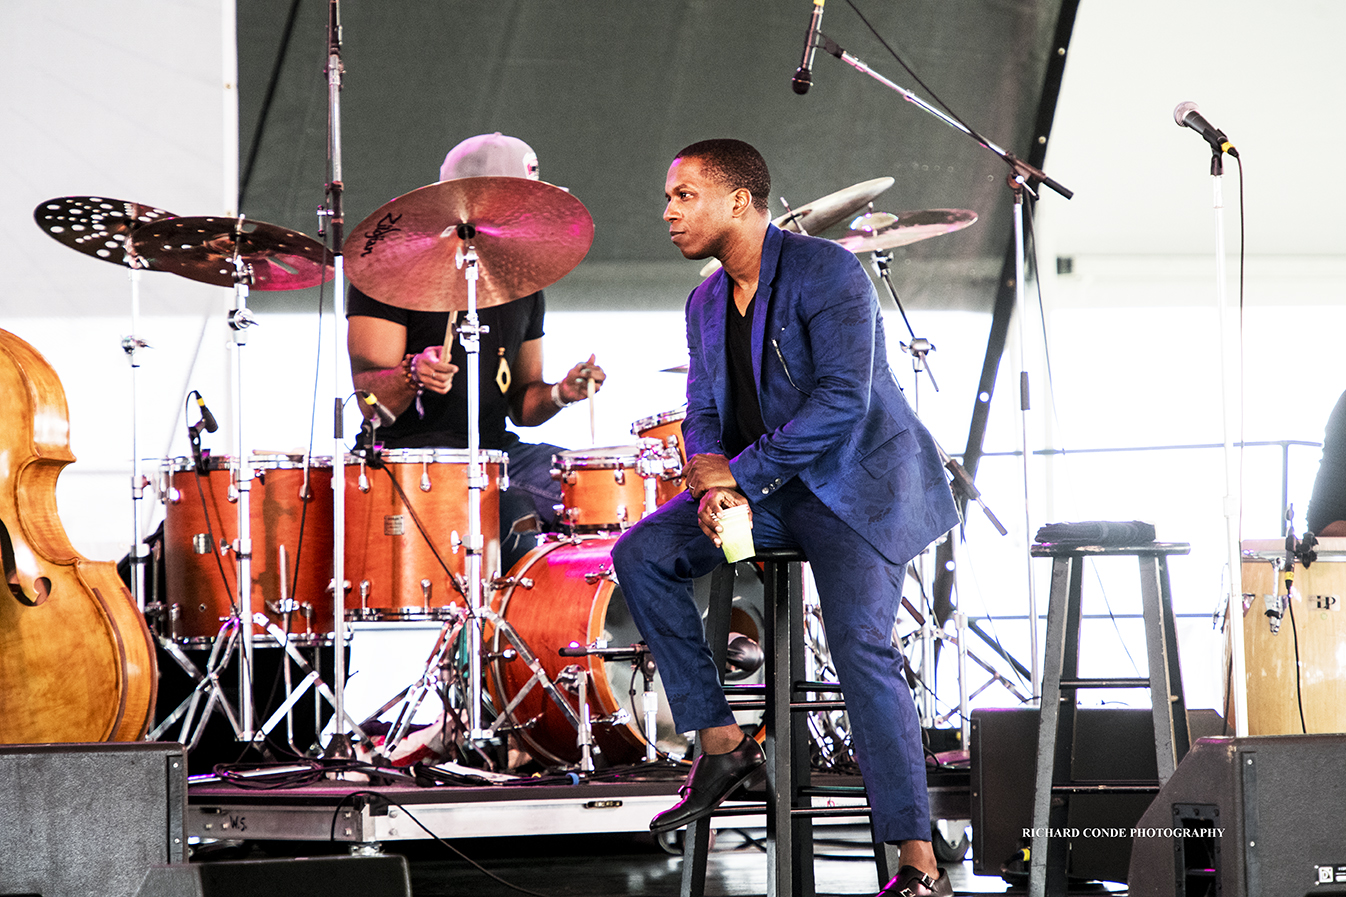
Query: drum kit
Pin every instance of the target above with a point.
(251, 541)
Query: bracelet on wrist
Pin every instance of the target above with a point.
(556, 396)
(409, 371)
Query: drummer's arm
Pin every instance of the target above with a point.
(376, 347)
(530, 397)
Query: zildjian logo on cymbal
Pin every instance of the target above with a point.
(385, 226)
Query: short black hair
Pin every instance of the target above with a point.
(734, 164)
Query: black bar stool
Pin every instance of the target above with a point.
(1061, 684)
(789, 807)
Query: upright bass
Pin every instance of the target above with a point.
(76, 658)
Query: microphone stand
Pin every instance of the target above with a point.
(331, 222)
(1238, 682)
(1022, 177)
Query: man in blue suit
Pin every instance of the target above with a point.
(792, 410)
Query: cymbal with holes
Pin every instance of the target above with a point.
(97, 226)
(527, 235)
(875, 231)
(203, 249)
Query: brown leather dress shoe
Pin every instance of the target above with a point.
(712, 779)
(912, 882)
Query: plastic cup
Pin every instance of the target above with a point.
(736, 538)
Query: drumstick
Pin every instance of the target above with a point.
(449, 331)
(593, 437)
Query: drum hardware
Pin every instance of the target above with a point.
(245, 255)
(311, 680)
(539, 675)
(104, 229)
(640, 655)
(207, 681)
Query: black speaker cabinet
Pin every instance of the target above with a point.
(379, 876)
(1248, 817)
(84, 819)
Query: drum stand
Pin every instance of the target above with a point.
(209, 681)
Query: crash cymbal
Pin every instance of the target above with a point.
(817, 216)
(882, 230)
(529, 234)
(95, 225)
(676, 369)
(203, 249)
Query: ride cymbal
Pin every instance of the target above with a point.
(96, 225)
(882, 230)
(203, 249)
(528, 235)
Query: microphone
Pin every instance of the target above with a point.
(1187, 117)
(803, 78)
(385, 416)
(207, 419)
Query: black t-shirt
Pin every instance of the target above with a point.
(445, 422)
(748, 426)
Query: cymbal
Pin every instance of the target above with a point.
(822, 213)
(203, 249)
(676, 369)
(529, 234)
(95, 225)
(817, 216)
(881, 230)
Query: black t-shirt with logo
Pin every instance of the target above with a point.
(444, 423)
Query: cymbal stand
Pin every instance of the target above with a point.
(918, 348)
(131, 345)
(470, 331)
(240, 319)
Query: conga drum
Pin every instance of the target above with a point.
(1304, 662)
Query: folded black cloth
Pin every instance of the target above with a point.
(1096, 532)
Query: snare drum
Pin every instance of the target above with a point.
(563, 592)
(394, 567)
(602, 488)
(665, 430)
(290, 517)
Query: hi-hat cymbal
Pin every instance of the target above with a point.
(95, 225)
(529, 234)
(203, 249)
(883, 230)
(817, 216)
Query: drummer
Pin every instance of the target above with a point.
(396, 354)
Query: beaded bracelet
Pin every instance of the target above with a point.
(414, 381)
(409, 372)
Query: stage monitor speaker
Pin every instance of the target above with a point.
(84, 819)
(378, 876)
(1247, 817)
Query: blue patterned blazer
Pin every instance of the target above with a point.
(834, 414)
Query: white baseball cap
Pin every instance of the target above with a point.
(490, 155)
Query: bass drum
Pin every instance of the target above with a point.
(562, 593)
